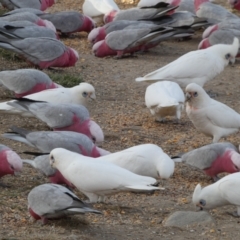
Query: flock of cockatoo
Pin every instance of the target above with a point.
(67, 154)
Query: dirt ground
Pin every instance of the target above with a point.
(121, 112)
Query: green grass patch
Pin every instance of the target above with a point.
(66, 80)
(10, 56)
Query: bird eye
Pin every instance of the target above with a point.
(227, 56)
(84, 94)
(52, 158)
(202, 202)
(94, 139)
(11, 166)
(195, 94)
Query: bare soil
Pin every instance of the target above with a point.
(121, 112)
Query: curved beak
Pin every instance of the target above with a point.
(188, 96)
(92, 96)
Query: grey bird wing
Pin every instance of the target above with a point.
(21, 10)
(26, 4)
(3, 147)
(42, 164)
(22, 80)
(7, 24)
(27, 32)
(123, 39)
(55, 115)
(51, 198)
(213, 11)
(224, 36)
(203, 157)
(65, 22)
(39, 49)
(46, 141)
(118, 25)
(22, 16)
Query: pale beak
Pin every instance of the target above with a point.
(92, 96)
(188, 96)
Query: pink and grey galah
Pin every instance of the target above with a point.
(45, 141)
(63, 117)
(228, 24)
(26, 81)
(10, 162)
(135, 14)
(69, 21)
(28, 16)
(221, 36)
(213, 159)
(212, 12)
(42, 52)
(130, 40)
(37, 4)
(42, 164)
(52, 201)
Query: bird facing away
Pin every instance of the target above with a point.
(213, 159)
(186, 70)
(52, 201)
(207, 116)
(97, 178)
(164, 99)
(223, 192)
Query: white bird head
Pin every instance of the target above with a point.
(227, 51)
(196, 96)
(84, 92)
(57, 157)
(208, 197)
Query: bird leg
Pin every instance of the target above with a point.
(215, 178)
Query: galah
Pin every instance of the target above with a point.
(135, 14)
(213, 159)
(145, 159)
(96, 9)
(97, 178)
(45, 141)
(186, 70)
(22, 32)
(131, 40)
(226, 24)
(212, 12)
(79, 94)
(41, 163)
(69, 21)
(26, 81)
(10, 162)
(63, 117)
(42, 52)
(206, 114)
(28, 16)
(37, 4)
(221, 36)
(52, 201)
(221, 193)
(164, 99)
(4, 24)
(98, 34)
(234, 4)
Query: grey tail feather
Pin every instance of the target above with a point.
(28, 100)
(35, 153)
(31, 162)
(22, 132)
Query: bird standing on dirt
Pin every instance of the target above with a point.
(52, 201)
(213, 159)
(97, 178)
(186, 70)
(207, 116)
